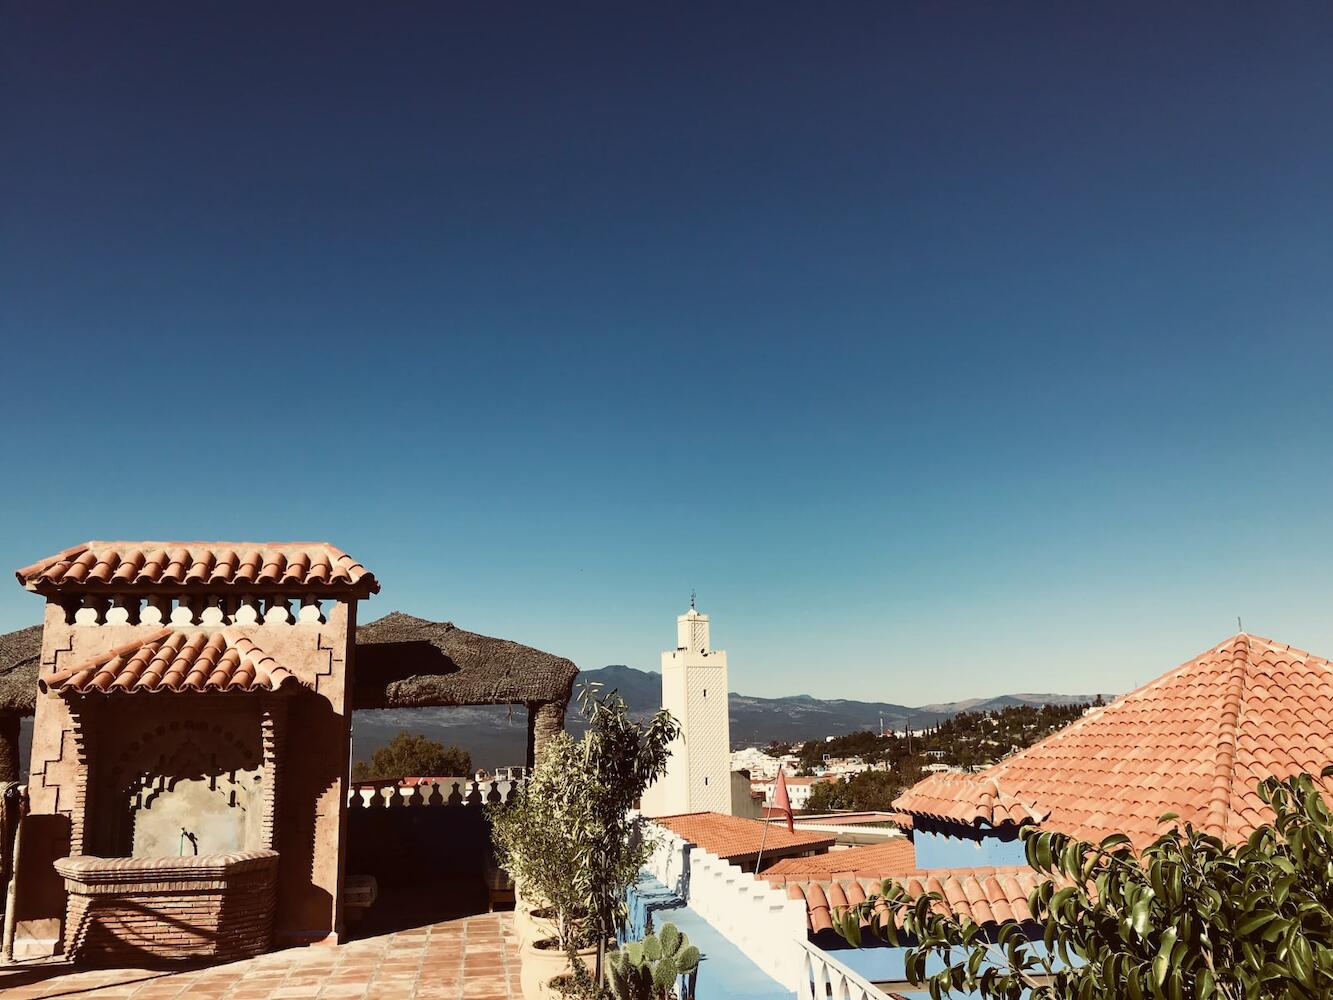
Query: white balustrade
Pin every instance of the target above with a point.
(186, 610)
(823, 977)
(310, 613)
(247, 612)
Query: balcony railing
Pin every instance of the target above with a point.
(823, 977)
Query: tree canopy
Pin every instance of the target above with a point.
(869, 790)
(967, 740)
(414, 755)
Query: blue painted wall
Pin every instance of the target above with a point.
(886, 964)
(953, 845)
(724, 971)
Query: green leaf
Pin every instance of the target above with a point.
(1139, 916)
(1301, 957)
(1161, 964)
(688, 959)
(670, 938)
(851, 927)
(664, 975)
(1043, 849)
(1254, 923)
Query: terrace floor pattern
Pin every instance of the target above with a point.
(467, 958)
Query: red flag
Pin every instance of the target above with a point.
(782, 801)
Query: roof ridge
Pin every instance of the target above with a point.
(1228, 733)
(998, 769)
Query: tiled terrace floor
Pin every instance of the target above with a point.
(468, 958)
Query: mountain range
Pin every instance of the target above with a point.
(497, 735)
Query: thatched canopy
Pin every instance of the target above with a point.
(407, 662)
(19, 655)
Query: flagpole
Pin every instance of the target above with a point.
(779, 785)
(762, 837)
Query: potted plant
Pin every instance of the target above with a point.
(620, 759)
(569, 838)
(535, 838)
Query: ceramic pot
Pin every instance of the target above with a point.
(534, 899)
(530, 924)
(541, 965)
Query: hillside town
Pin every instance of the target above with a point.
(189, 799)
(692, 501)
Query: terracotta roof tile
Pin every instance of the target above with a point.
(171, 565)
(872, 861)
(968, 798)
(735, 839)
(985, 895)
(1195, 742)
(169, 660)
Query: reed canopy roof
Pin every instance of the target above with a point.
(20, 653)
(408, 662)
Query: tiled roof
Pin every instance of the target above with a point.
(968, 798)
(986, 895)
(735, 839)
(872, 861)
(170, 660)
(111, 566)
(1195, 742)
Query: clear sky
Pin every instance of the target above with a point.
(945, 350)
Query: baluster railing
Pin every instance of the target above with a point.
(823, 977)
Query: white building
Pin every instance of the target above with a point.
(694, 690)
(754, 760)
(798, 790)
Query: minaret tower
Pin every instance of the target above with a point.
(694, 690)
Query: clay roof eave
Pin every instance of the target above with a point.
(176, 662)
(300, 568)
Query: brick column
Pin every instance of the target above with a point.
(545, 719)
(9, 746)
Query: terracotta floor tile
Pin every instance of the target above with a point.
(475, 958)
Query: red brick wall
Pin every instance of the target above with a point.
(127, 910)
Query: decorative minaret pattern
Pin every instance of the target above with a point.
(694, 690)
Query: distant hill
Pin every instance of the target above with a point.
(800, 717)
(1009, 701)
(498, 736)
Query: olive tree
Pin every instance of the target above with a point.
(570, 835)
(535, 835)
(1189, 917)
(621, 758)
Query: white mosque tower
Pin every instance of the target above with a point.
(694, 690)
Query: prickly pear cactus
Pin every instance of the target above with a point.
(649, 969)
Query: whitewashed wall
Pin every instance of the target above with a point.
(756, 917)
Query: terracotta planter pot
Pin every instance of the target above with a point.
(532, 923)
(534, 900)
(541, 965)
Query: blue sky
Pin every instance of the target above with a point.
(945, 351)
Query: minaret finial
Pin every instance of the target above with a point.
(692, 608)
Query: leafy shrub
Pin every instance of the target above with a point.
(1189, 916)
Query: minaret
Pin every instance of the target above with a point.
(694, 690)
